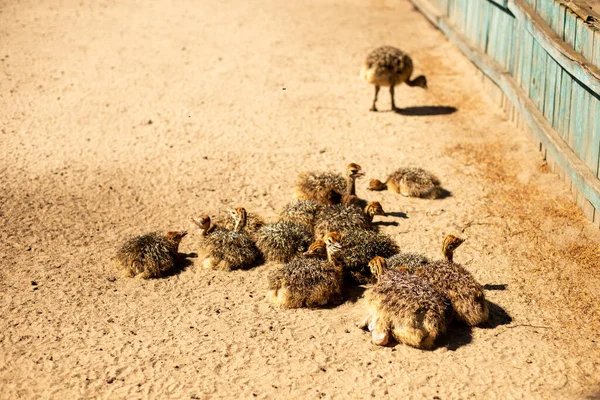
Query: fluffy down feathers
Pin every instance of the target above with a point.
(340, 218)
(408, 307)
(387, 66)
(409, 260)
(283, 241)
(228, 250)
(150, 255)
(457, 285)
(305, 282)
(301, 212)
(360, 247)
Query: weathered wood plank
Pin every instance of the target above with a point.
(471, 27)
(589, 141)
(570, 28)
(511, 49)
(538, 76)
(554, 16)
(593, 158)
(584, 40)
(596, 49)
(526, 59)
(552, 86)
(541, 7)
(484, 25)
(564, 105)
(577, 118)
(560, 24)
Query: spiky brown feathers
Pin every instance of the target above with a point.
(150, 255)
(283, 240)
(405, 306)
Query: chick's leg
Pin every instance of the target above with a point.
(374, 107)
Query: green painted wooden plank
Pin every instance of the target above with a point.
(564, 105)
(582, 135)
(560, 24)
(554, 16)
(570, 28)
(556, 89)
(576, 118)
(487, 19)
(476, 8)
(527, 54)
(591, 144)
(519, 50)
(551, 87)
(596, 141)
(510, 45)
(498, 36)
(584, 40)
(465, 13)
(492, 31)
(458, 15)
(541, 8)
(470, 24)
(482, 32)
(538, 76)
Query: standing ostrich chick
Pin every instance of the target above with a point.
(389, 66)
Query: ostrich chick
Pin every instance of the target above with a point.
(360, 247)
(411, 182)
(456, 284)
(283, 240)
(309, 282)
(253, 223)
(225, 249)
(301, 212)
(342, 218)
(389, 66)
(404, 305)
(322, 187)
(150, 255)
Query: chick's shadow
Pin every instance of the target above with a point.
(425, 111)
(183, 262)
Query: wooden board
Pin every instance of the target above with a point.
(538, 76)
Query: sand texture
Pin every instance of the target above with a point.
(125, 117)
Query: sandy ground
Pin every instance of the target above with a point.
(120, 118)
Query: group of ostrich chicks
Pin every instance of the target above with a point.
(326, 240)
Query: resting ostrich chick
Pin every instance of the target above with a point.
(225, 249)
(411, 182)
(409, 261)
(360, 247)
(301, 212)
(253, 223)
(457, 284)
(341, 218)
(389, 66)
(316, 186)
(150, 255)
(309, 282)
(404, 305)
(283, 240)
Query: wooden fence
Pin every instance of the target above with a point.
(540, 60)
